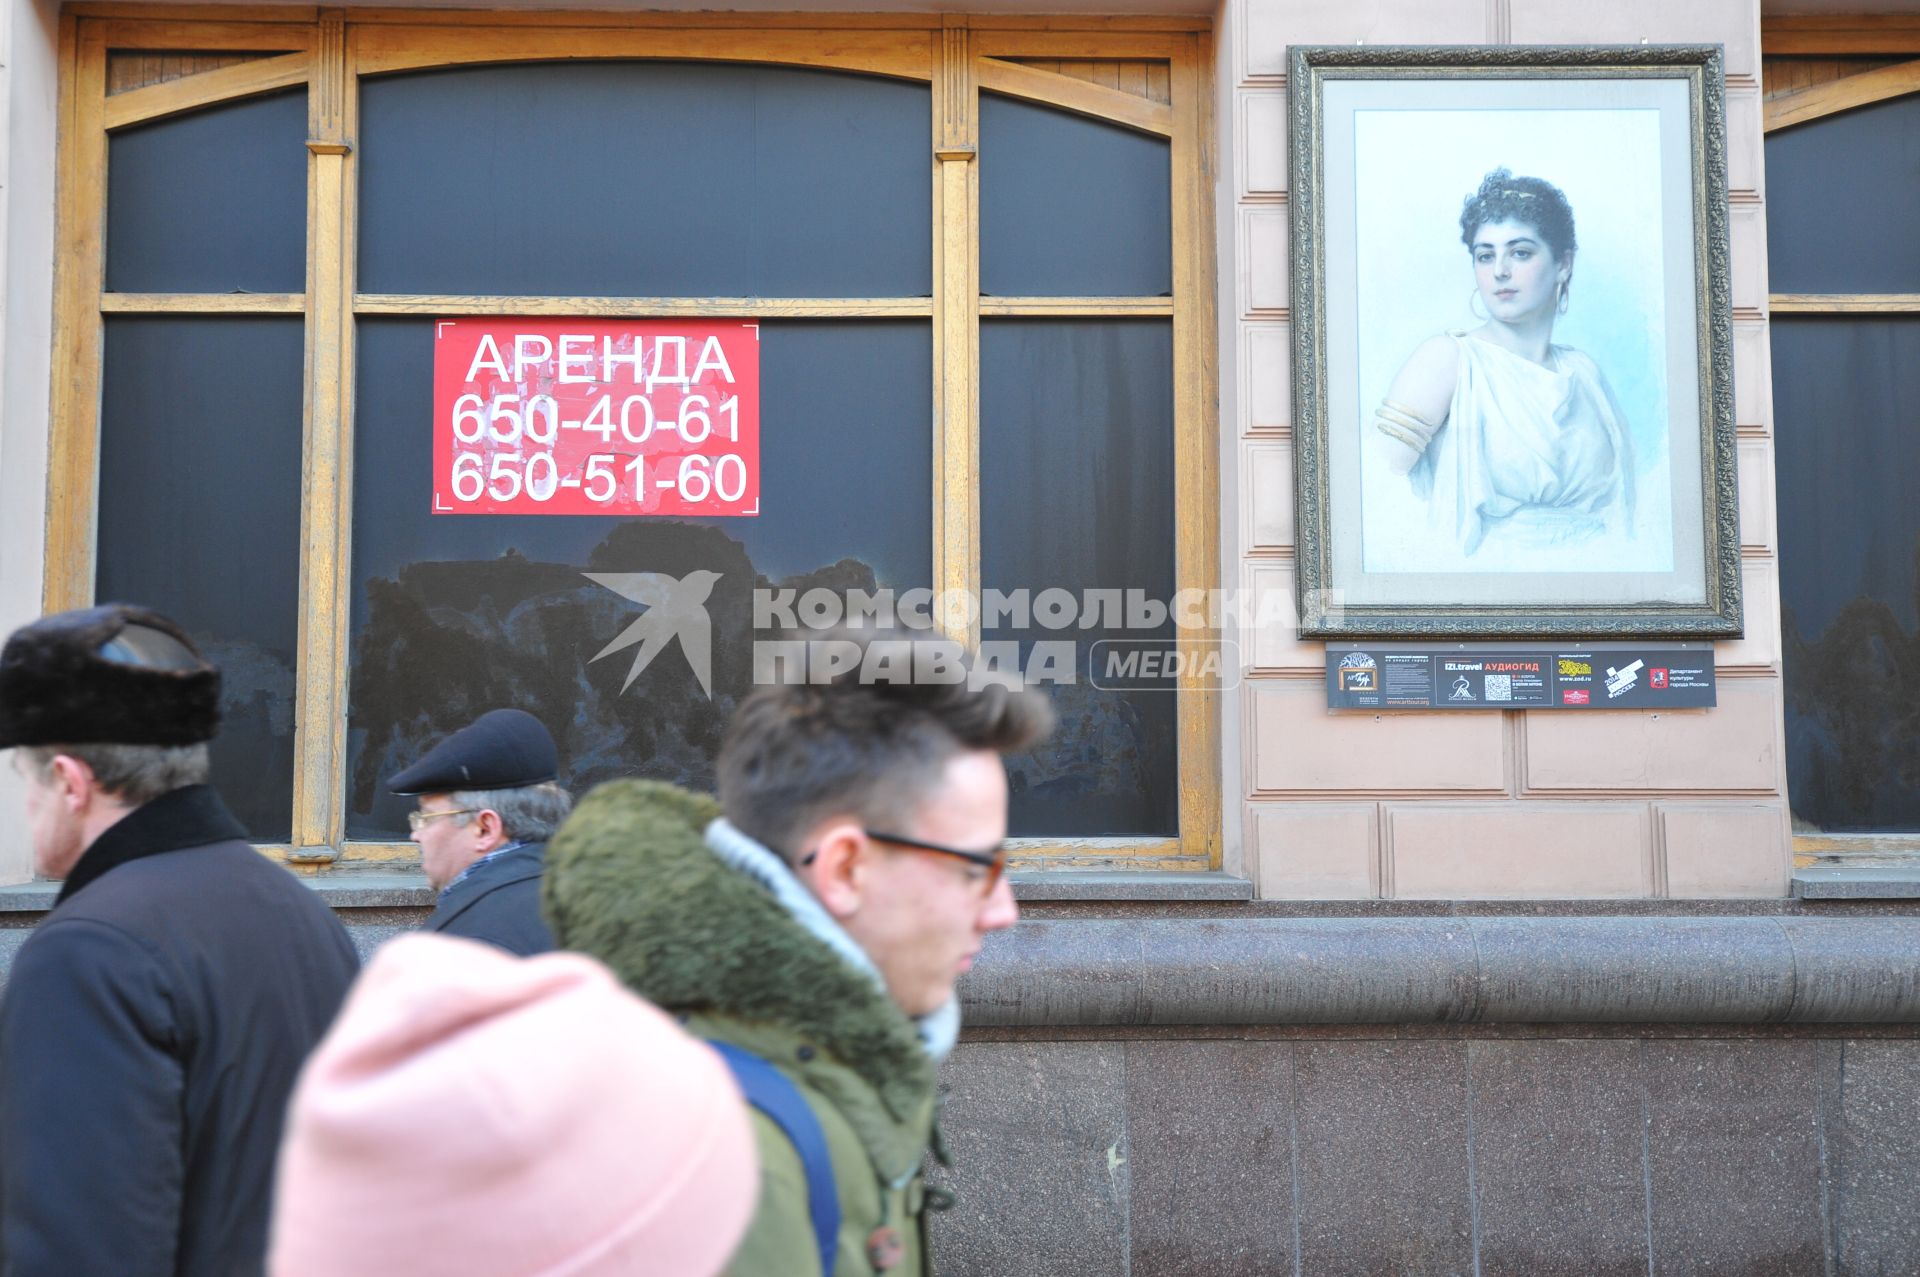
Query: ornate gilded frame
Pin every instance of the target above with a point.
(1324, 611)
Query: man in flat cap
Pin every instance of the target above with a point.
(155, 1021)
(489, 800)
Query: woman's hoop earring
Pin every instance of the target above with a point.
(1473, 295)
(1565, 293)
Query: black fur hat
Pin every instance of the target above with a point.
(112, 675)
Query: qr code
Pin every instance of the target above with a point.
(1499, 687)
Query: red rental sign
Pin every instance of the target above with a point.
(625, 417)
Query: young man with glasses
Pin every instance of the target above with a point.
(816, 920)
(489, 800)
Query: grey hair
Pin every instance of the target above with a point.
(528, 813)
(134, 774)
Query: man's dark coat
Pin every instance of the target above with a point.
(152, 1030)
(499, 902)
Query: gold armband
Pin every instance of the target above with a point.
(1397, 421)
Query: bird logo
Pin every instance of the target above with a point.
(676, 608)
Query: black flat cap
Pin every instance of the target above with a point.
(501, 749)
(110, 675)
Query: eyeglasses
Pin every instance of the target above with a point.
(994, 862)
(417, 820)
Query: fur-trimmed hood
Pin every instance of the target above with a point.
(632, 881)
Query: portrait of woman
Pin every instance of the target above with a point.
(1512, 369)
(1512, 444)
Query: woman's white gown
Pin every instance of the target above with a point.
(1531, 456)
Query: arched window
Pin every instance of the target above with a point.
(1843, 187)
(977, 253)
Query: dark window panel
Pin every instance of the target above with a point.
(1844, 393)
(1071, 206)
(214, 201)
(1076, 493)
(1841, 197)
(200, 464)
(645, 179)
(453, 616)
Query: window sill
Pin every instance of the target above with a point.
(1864, 882)
(365, 889)
(404, 889)
(28, 897)
(350, 890)
(1144, 885)
(370, 889)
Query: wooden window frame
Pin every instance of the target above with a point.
(327, 51)
(1868, 35)
(1865, 36)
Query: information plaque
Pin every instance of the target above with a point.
(1403, 676)
(576, 416)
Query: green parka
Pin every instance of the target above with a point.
(631, 881)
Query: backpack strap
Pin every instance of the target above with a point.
(774, 1094)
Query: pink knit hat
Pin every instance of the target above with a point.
(483, 1115)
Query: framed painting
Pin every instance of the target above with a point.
(1512, 342)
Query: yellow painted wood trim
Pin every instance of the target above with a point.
(202, 303)
(361, 849)
(134, 10)
(1129, 854)
(724, 20)
(156, 101)
(646, 307)
(1863, 846)
(1054, 844)
(1844, 303)
(1078, 96)
(704, 20)
(1029, 853)
(396, 856)
(1196, 451)
(901, 54)
(164, 29)
(326, 498)
(1041, 856)
(1840, 95)
(296, 15)
(1172, 24)
(1865, 34)
(1068, 307)
(73, 446)
(956, 325)
(1077, 45)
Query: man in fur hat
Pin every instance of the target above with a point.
(155, 1021)
(814, 923)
